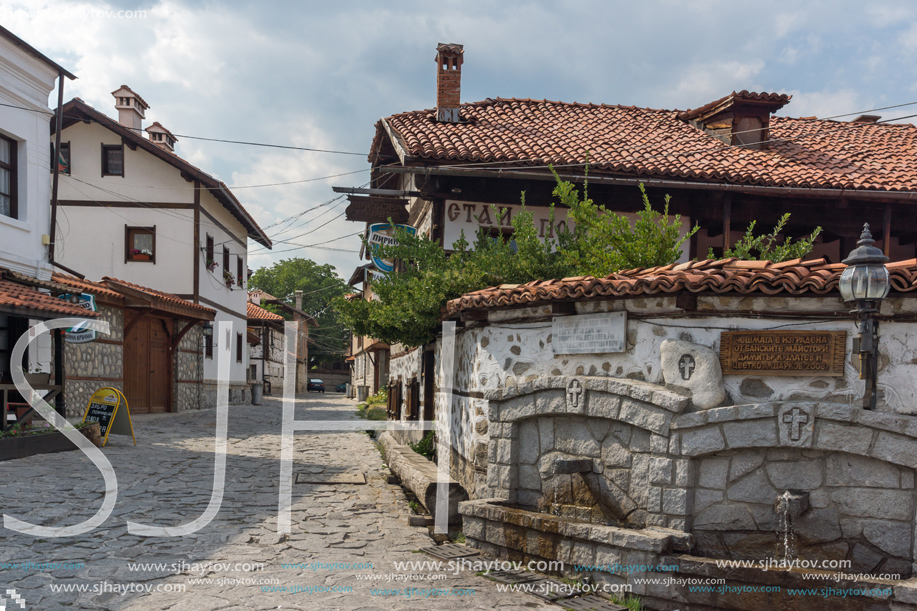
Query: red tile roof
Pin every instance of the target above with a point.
(718, 276)
(15, 296)
(803, 153)
(163, 300)
(259, 313)
(86, 286)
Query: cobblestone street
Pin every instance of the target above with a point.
(166, 480)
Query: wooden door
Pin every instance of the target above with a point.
(160, 366)
(137, 367)
(148, 366)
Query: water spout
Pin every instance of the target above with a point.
(789, 506)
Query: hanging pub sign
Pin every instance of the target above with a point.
(374, 209)
(383, 234)
(108, 406)
(79, 334)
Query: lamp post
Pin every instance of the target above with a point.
(866, 282)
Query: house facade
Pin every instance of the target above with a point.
(266, 363)
(27, 78)
(725, 164)
(133, 210)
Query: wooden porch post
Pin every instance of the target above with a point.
(60, 378)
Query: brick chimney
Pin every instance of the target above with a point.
(449, 59)
(131, 108)
(161, 137)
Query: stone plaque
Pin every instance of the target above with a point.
(589, 333)
(783, 353)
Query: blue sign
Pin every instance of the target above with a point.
(384, 234)
(79, 334)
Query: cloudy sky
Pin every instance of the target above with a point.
(319, 74)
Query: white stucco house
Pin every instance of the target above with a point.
(26, 80)
(132, 209)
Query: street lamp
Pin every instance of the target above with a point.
(866, 282)
(207, 329)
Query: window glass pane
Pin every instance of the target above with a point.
(115, 161)
(144, 242)
(4, 205)
(4, 150)
(5, 176)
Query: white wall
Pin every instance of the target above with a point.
(27, 82)
(93, 240)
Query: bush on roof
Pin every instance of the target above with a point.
(600, 242)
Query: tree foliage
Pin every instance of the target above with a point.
(596, 242)
(320, 285)
(767, 247)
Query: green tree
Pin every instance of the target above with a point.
(320, 285)
(601, 242)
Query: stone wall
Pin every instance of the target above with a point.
(103, 361)
(514, 346)
(187, 369)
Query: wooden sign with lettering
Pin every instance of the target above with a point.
(372, 209)
(783, 353)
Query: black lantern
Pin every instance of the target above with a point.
(866, 282)
(207, 329)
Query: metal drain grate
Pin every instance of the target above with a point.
(514, 576)
(592, 603)
(450, 551)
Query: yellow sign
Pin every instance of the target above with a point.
(104, 408)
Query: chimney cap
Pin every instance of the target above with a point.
(157, 127)
(123, 92)
(450, 48)
(867, 119)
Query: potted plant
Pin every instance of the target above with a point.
(239, 281)
(141, 254)
(228, 278)
(211, 265)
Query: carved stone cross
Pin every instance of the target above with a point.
(574, 390)
(686, 365)
(795, 418)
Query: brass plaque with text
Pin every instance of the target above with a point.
(783, 353)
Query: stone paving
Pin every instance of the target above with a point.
(166, 480)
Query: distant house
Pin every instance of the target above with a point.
(724, 164)
(266, 358)
(26, 295)
(302, 321)
(133, 209)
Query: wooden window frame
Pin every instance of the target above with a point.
(55, 158)
(239, 342)
(129, 232)
(239, 270)
(209, 250)
(111, 147)
(225, 258)
(208, 346)
(13, 168)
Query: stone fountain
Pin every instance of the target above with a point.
(606, 471)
